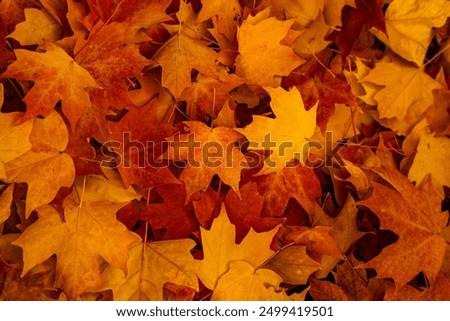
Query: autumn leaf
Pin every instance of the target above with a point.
(51, 72)
(278, 60)
(228, 14)
(209, 152)
(172, 215)
(243, 283)
(297, 182)
(420, 246)
(409, 26)
(292, 128)
(30, 32)
(89, 229)
(432, 158)
(219, 248)
(109, 60)
(244, 212)
(405, 89)
(6, 199)
(149, 267)
(45, 167)
(180, 55)
(14, 138)
(293, 264)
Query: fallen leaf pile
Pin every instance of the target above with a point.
(224, 150)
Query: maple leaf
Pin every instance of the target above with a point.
(304, 12)
(150, 267)
(209, 152)
(409, 26)
(440, 291)
(207, 95)
(57, 77)
(182, 53)
(296, 182)
(30, 32)
(139, 150)
(367, 12)
(344, 231)
(109, 61)
(45, 167)
(14, 138)
(420, 246)
(89, 231)
(317, 240)
(405, 90)
(243, 283)
(219, 249)
(172, 215)
(293, 264)
(244, 212)
(432, 158)
(355, 283)
(206, 206)
(227, 13)
(292, 127)
(5, 204)
(332, 11)
(261, 62)
(326, 291)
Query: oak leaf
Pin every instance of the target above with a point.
(261, 62)
(45, 167)
(291, 129)
(219, 249)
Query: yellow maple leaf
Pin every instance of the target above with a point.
(14, 138)
(150, 266)
(291, 128)
(37, 27)
(89, 231)
(183, 52)
(5, 204)
(406, 92)
(432, 157)
(219, 249)
(263, 62)
(409, 26)
(227, 12)
(45, 167)
(243, 283)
